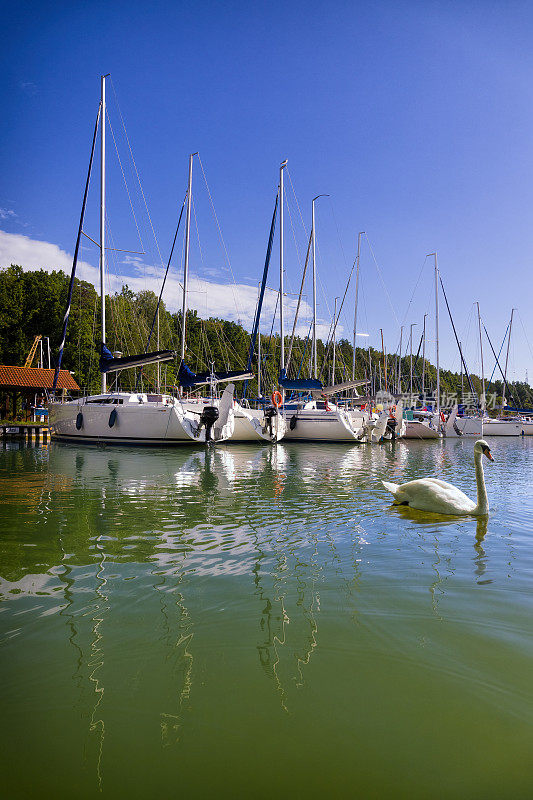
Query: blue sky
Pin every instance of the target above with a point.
(415, 117)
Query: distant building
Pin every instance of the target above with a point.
(24, 388)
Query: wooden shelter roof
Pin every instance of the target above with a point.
(35, 378)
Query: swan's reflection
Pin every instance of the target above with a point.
(480, 559)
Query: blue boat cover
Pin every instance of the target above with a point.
(110, 364)
(298, 384)
(187, 378)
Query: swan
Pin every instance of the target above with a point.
(431, 494)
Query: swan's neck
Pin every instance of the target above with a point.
(482, 501)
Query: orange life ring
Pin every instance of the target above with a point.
(277, 399)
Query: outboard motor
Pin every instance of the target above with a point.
(391, 427)
(270, 413)
(208, 417)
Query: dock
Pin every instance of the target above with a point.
(32, 432)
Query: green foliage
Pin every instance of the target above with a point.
(34, 302)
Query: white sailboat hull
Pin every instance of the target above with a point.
(147, 423)
(499, 427)
(416, 429)
(470, 426)
(320, 425)
(250, 425)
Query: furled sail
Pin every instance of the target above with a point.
(341, 387)
(187, 378)
(298, 384)
(110, 364)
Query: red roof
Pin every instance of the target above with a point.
(34, 378)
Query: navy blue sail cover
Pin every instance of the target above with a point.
(110, 364)
(298, 384)
(187, 378)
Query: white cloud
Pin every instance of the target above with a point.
(208, 297)
(33, 254)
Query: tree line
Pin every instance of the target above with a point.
(34, 303)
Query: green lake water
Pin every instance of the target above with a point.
(261, 622)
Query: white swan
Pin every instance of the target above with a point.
(431, 494)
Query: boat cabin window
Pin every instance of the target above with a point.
(107, 401)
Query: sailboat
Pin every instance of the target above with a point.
(503, 426)
(422, 424)
(318, 418)
(248, 425)
(131, 417)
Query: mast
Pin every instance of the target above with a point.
(507, 358)
(399, 384)
(411, 363)
(424, 361)
(186, 260)
(481, 357)
(102, 219)
(371, 372)
(356, 299)
(259, 359)
(281, 326)
(158, 383)
(437, 331)
(462, 381)
(334, 341)
(384, 363)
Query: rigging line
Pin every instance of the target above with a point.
(335, 321)
(166, 273)
(414, 290)
(136, 172)
(124, 179)
(296, 199)
(221, 237)
(525, 334)
(382, 281)
(498, 363)
(499, 352)
(197, 232)
(457, 339)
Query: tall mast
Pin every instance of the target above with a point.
(186, 260)
(399, 382)
(334, 341)
(281, 326)
(507, 358)
(313, 239)
(462, 380)
(158, 382)
(424, 361)
(259, 359)
(411, 364)
(437, 331)
(356, 299)
(481, 357)
(102, 219)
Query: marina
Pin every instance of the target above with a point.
(266, 413)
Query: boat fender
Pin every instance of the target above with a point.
(112, 418)
(79, 421)
(293, 421)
